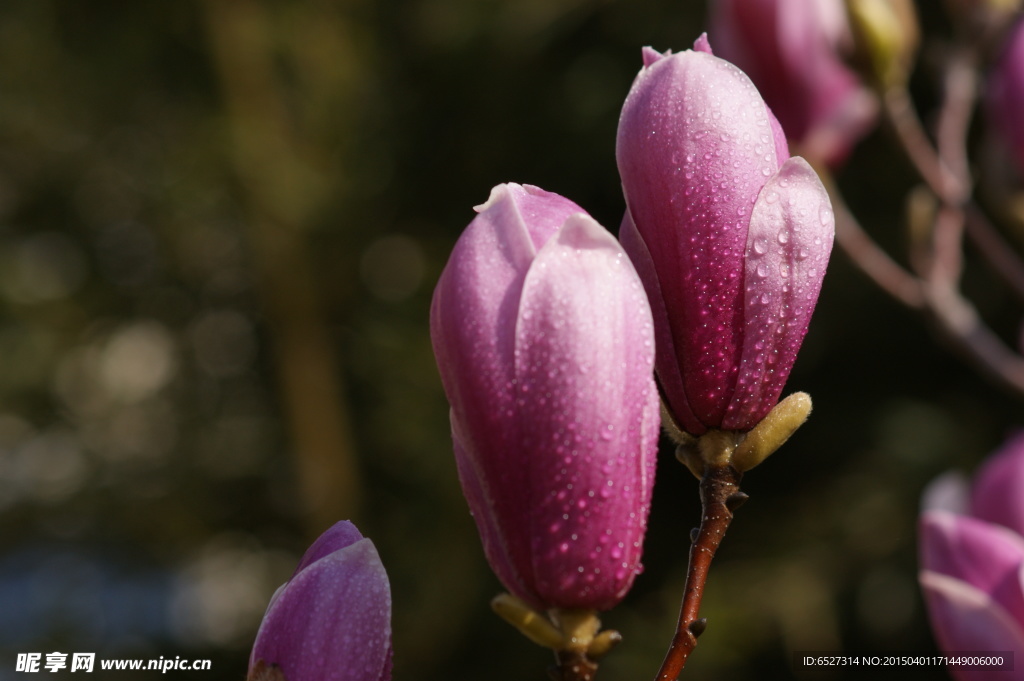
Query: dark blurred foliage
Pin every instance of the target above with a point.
(220, 225)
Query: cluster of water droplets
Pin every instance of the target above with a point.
(787, 254)
(582, 390)
(725, 155)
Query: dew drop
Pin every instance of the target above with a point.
(760, 246)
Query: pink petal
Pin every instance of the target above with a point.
(1006, 93)
(332, 621)
(702, 44)
(517, 576)
(651, 55)
(1010, 594)
(998, 491)
(986, 556)
(472, 323)
(967, 620)
(788, 245)
(779, 137)
(340, 535)
(584, 367)
(669, 376)
(948, 492)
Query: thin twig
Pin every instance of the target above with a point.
(947, 248)
(719, 495)
(868, 255)
(964, 328)
(899, 111)
(955, 316)
(996, 250)
(959, 94)
(947, 174)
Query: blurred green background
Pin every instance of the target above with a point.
(220, 226)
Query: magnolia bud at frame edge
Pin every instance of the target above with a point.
(972, 556)
(1006, 94)
(332, 620)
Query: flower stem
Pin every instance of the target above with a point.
(574, 665)
(578, 628)
(720, 495)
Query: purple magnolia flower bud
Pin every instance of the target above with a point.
(544, 340)
(972, 561)
(1006, 94)
(729, 234)
(791, 50)
(332, 620)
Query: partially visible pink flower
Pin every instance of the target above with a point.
(972, 561)
(1006, 94)
(730, 235)
(332, 620)
(792, 50)
(544, 340)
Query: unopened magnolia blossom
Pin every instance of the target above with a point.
(544, 340)
(792, 50)
(972, 561)
(332, 620)
(729, 234)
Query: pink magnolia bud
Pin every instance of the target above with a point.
(972, 566)
(544, 340)
(729, 234)
(332, 620)
(791, 50)
(1006, 94)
